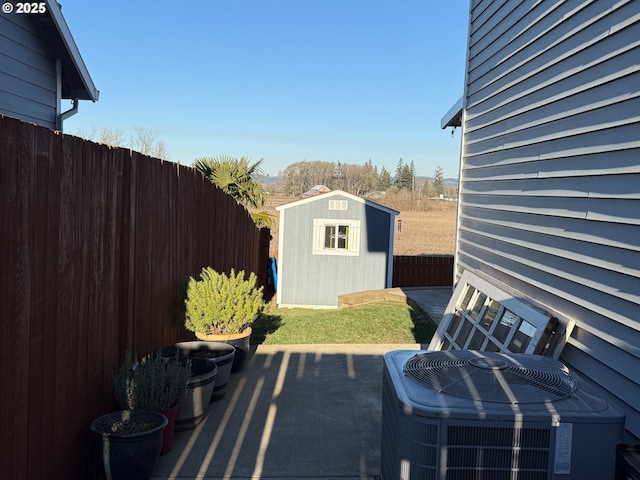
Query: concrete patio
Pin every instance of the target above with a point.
(295, 412)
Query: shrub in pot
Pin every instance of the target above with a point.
(154, 384)
(222, 308)
(144, 385)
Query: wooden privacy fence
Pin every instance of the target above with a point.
(96, 244)
(422, 271)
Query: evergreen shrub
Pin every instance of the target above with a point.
(224, 304)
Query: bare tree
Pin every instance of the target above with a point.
(143, 140)
(112, 137)
(356, 179)
(146, 141)
(301, 176)
(359, 179)
(160, 150)
(108, 136)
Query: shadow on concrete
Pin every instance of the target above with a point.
(298, 411)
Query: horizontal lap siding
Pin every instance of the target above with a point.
(96, 244)
(550, 196)
(27, 72)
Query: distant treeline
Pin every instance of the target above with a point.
(362, 180)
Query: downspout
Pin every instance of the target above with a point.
(62, 116)
(69, 113)
(58, 95)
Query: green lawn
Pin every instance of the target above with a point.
(384, 322)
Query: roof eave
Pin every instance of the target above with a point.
(453, 118)
(88, 90)
(337, 192)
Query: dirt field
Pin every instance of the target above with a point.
(427, 232)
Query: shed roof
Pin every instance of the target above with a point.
(333, 193)
(76, 81)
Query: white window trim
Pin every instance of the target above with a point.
(319, 226)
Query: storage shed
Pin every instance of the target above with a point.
(332, 244)
(550, 173)
(40, 65)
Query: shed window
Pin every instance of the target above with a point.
(336, 237)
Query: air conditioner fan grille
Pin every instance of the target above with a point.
(491, 377)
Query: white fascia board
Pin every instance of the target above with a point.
(54, 10)
(332, 193)
(453, 117)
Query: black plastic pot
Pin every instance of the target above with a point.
(241, 342)
(242, 347)
(132, 455)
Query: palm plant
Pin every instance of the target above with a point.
(235, 176)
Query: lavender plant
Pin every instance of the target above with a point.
(155, 383)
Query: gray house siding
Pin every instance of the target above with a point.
(28, 79)
(308, 279)
(550, 172)
(40, 64)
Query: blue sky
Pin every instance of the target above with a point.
(281, 80)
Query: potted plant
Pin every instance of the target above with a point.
(222, 354)
(155, 384)
(222, 308)
(130, 443)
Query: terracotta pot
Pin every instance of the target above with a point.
(241, 341)
(167, 433)
(222, 354)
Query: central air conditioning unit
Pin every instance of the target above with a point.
(460, 414)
